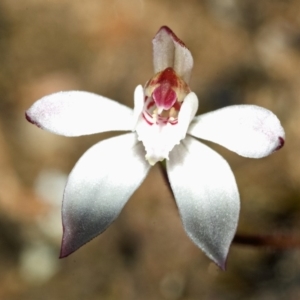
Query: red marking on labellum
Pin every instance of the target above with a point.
(281, 143)
(164, 96)
(147, 120)
(166, 76)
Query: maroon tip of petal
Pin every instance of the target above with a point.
(63, 254)
(29, 119)
(281, 143)
(65, 250)
(173, 35)
(223, 265)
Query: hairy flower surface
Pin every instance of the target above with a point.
(163, 126)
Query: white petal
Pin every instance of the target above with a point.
(138, 104)
(170, 51)
(160, 139)
(207, 197)
(99, 186)
(187, 112)
(77, 113)
(248, 130)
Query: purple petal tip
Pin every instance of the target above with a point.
(29, 119)
(281, 143)
(66, 246)
(65, 251)
(172, 34)
(62, 253)
(223, 266)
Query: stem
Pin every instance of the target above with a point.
(276, 241)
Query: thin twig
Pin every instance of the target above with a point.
(277, 241)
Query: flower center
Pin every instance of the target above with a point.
(164, 94)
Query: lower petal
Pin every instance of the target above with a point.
(206, 193)
(248, 130)
(98, 187)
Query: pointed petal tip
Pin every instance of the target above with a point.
(169, 31)
(68, 244)
(164, 27)
(65, 252)
(223, 264)
(30, 120)
(62, 254)
(220, 261)
(28, 117)
(281, 142)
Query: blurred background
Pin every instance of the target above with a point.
(244, 52)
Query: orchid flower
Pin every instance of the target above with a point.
(163, 127)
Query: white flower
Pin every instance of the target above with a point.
(164, 127)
